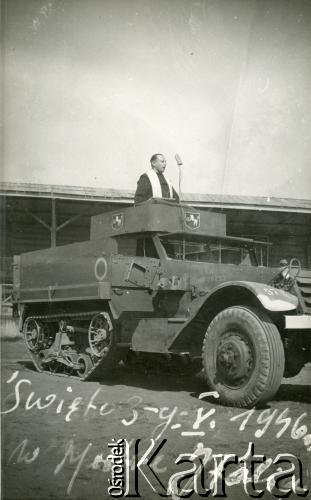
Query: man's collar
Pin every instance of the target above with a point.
(158, 173)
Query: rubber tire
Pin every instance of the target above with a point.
(268, 352)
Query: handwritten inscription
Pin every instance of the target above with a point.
(268, 418)
(250, 470)
(197, 424)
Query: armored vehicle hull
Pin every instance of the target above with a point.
(164, 281)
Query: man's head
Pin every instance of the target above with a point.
(158, 162)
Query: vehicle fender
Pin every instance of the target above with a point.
(272, 299)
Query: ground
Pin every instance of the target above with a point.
(56, 447)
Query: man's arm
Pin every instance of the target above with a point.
(143, 190)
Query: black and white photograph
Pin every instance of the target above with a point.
(155, 279)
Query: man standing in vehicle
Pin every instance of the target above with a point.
(154, 184)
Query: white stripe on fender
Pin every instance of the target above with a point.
(275, 304)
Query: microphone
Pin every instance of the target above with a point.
(178, 160)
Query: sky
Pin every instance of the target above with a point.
(92, 88)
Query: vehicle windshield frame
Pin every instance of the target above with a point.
(239, 244)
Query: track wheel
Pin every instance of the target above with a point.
(243, 357)
(32, 333)
(102, 341)
(85, 365)
(38, 335)
(100, 334)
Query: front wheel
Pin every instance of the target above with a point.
(243, 357)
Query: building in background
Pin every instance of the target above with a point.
(39, 216)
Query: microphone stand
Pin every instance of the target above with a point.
(180, 163)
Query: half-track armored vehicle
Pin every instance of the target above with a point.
(161, 281)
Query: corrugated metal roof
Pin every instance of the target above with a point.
(68, 192)
(270, 203)
(255, 201)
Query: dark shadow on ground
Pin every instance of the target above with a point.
(294, 393)
(164, 379)
(157, 380)
(287, 392)
(145, 379)
(28, 365)
(195, 384)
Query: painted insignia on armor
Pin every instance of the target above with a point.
(192, 220)
(117, 221)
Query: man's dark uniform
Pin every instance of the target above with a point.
(144, 189)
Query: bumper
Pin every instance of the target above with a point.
(301, 322)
